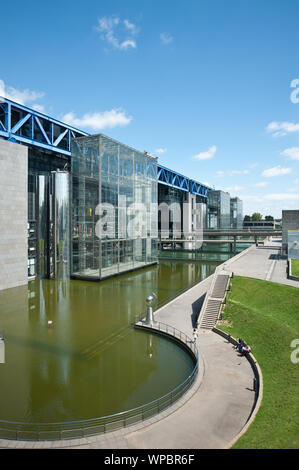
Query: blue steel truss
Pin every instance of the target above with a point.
(176, 180)
(21, 124)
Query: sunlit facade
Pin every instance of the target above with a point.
(236, 213)
(218, 210)
(114, 208)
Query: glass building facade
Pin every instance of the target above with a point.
(218, 210)
(236, 213)
(174, 199)
(114, 208)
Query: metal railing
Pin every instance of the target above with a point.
(90, 427)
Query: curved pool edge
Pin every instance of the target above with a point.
(119, 433)
(158, 408)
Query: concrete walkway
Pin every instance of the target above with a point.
(263, 262)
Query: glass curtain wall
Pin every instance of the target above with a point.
(219, 210)
(85, 199)
(171, 196)
(212, 210)
(236, 210)
(114, 208)
(224, 203)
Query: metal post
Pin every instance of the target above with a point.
(149, 311)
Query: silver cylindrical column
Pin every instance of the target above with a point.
(62, 224)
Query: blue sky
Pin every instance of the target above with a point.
(204, 85)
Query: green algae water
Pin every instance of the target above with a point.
(89, 362)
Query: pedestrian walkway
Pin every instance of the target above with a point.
(263, 262)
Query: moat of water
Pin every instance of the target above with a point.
(89, 362)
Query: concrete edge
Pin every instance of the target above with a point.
(130, 429)
(239, 255)
(259, 387)
(181, 295)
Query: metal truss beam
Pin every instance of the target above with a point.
(176, 180)
(21, 124)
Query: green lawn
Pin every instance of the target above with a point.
(295, 267)
(266, 316)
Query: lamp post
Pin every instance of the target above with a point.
(149, 311)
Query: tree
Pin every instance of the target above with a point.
(269, 217)
(256, 216)
(247, 218)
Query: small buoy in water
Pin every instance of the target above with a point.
(50, 322)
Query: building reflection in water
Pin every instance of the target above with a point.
(89, 362)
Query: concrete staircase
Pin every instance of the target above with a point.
(214, 298)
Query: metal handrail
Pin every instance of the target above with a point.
(84, 428)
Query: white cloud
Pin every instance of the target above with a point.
(19, 96)
(98, 121)
(39, 107)
(221, 173)
(160, 151)
(237, 172)
(166, 38)
(128, 43)
(112, 27)
(281, 196)
(262, 184)
(282, 128)
(235, 188)
(131, 27)
(206, 155)
(252, 197)
(276, 171)
(253, 165)
(292, 153)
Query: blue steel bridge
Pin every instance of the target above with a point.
(24, 125)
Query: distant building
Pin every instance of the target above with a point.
(258, 224)
(236, 213)
(218, 210)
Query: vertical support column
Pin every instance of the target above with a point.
(42, 217)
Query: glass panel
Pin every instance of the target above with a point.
(85, 199)
(126, 187)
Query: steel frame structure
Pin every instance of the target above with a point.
(28, 126)
(21, 124)
(176, 180)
